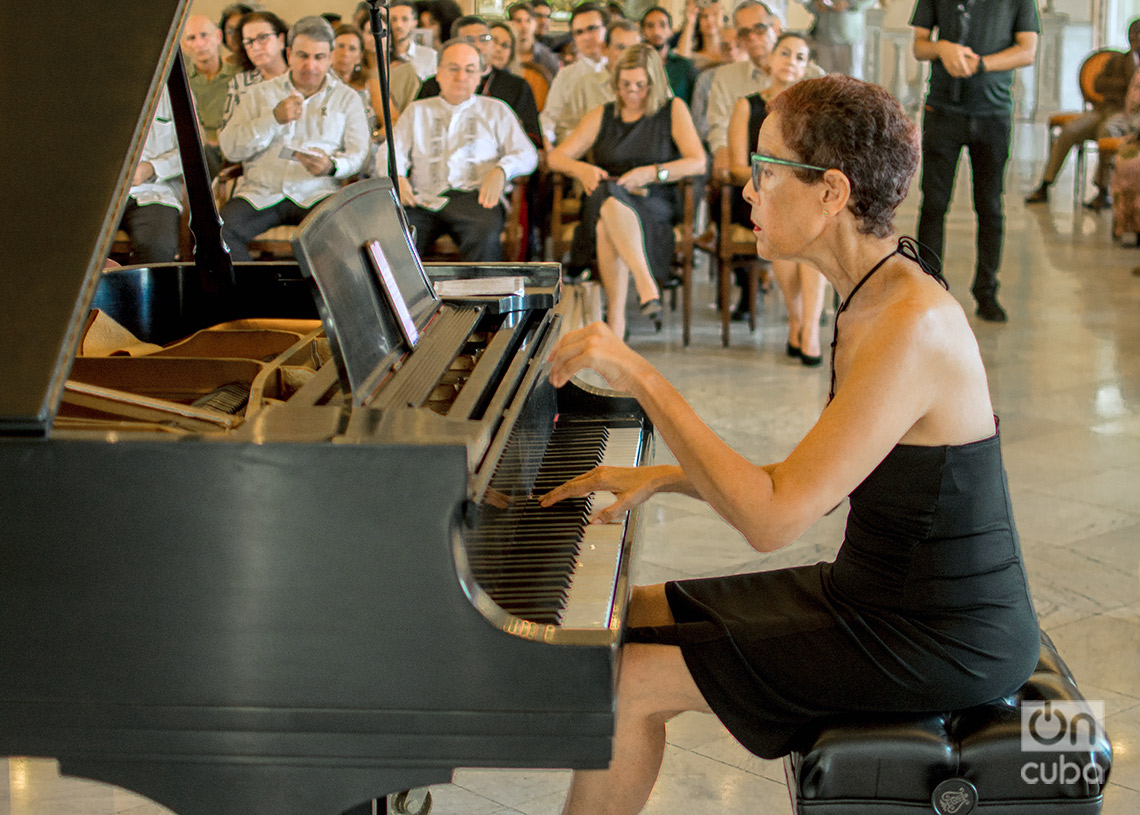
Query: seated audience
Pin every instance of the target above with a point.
(756, 31)
(455, 153)
(438, 16)
(700, 105)
(596, 89)
(700, 39)
(209, 77)
(530, 49)
(261, 56)
(154, 202)
(802, 285)
(494, 82)
(640, 141)
(296, 135)
(348, 63)
(402, 20)
(657, 30)
(588, 23)
(542, 32)
(1111, 84)
(231, 31)
(926, 605)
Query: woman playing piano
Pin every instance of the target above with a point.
(926, 606)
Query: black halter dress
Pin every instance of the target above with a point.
(926, 608)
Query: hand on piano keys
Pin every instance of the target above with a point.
(596, 347)
(629, 486)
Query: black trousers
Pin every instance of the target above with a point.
(987, 138)
(242, 222)
(154, 232)
(476, 229)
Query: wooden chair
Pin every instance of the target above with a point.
(736, 248)
(1086, 77)
(539, 80)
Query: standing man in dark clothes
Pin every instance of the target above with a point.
(969, 104)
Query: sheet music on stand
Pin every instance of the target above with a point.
(373, 295)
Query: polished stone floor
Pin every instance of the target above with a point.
(1065, 378)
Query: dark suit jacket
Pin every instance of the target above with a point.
(514, 90)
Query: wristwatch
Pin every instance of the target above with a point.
(981, 65)
(662, 174)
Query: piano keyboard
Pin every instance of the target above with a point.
(548, 565)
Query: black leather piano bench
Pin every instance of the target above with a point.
(1042, 751)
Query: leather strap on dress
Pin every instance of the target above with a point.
(907, 248)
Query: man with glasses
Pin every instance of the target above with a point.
(970, 104)
(529, 48)
(296, 136)
(596, 89)
(455, 153)
(588, 27)
(512, 89)
(756, 31)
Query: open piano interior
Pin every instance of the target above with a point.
(271, 538)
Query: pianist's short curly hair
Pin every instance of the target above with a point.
(859, 129)
(314, 27)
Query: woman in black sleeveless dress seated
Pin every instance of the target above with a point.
(926, 606)
(802, 286)
(640, 142)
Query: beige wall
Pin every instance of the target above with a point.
(291, 10)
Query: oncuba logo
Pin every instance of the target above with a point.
(1060, 727)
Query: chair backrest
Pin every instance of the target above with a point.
(539, 80)
(1090, 69)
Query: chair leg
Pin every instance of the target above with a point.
(686, 299)
(725, 274)
(753, 294)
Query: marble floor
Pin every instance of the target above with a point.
(1065, 378)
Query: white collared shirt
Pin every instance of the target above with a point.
(423, 59)
(589, 92)
(730, 83)
(161, 150)
(453, 147)
(332, 119)
(561, 89)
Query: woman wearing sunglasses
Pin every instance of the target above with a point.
(802, 286)
(926, 606)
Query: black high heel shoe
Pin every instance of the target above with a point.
(652, 310)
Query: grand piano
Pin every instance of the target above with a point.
(283, 559)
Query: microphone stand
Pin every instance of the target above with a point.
(380, 31)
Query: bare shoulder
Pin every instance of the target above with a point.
(916, 344)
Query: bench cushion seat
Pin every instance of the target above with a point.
(955, 763)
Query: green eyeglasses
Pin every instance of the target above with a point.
(758, 159)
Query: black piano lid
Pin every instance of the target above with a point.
(81, 81)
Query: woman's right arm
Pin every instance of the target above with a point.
(564, 158)
(685, 44)
(739, 150)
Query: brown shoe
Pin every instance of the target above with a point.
(1039, 196)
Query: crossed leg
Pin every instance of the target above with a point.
(621, 250)
(803, 290)
(655, 686)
